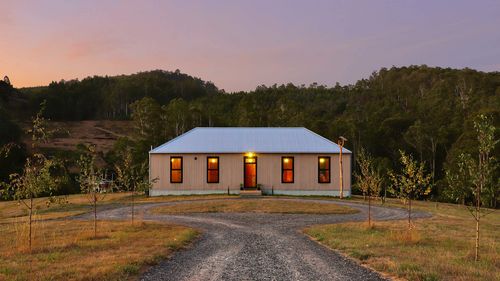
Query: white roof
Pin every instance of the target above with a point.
(242, 140)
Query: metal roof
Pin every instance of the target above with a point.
(248, 139)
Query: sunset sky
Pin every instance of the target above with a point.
(241, 44)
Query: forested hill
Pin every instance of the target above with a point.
(109, 97)
(426, 111)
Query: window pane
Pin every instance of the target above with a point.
(288, 176)
(324, 176)
(324, 163)
(287, 163)
(176, 163)
(213, 176)
(176, 176)
(213, 163)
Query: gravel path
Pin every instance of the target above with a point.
(251, 246)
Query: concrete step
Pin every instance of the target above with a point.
(250, 193)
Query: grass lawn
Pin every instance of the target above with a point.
(256, 206)
(77, 204)
(438, 248)
(67, 250)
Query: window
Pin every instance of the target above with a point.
(287, 169)
(176, 169)
(324, 169)
(212, 169)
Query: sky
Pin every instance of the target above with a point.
(239, 44)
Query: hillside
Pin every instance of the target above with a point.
(109, 97)
(427, 111)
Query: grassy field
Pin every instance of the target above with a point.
(438, 248)
(255, 206)
(67, 250)
(77, 204)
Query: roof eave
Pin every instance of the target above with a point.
(257, 152)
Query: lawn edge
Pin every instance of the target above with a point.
(187, 245)
(383, 274)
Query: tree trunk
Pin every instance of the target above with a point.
(133, 195)
(479, 189)
(30, 221)
(95, 215)
(476, 256)
(369, 211)
(433, 162)
(409, 213)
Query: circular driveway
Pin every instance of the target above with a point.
(258, 246)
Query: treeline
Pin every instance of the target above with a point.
(110, 97)
(425, 111)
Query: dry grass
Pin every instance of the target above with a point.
(255, 206)
(439, 248)
(102, 133)
(66, 250)
(77, 204)
(174, 198)
(73, 205)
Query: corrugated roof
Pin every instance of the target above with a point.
(241, 140)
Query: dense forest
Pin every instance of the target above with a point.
(425, 111)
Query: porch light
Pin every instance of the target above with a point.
(286, 160)
(250, 154)
(213, 160)
(321, 160)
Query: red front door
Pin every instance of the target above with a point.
(250, 172)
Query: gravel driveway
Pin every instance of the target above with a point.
(251, 246)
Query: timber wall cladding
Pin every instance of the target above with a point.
(231, 172)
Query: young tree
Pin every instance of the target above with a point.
(125, 176)
(411, 183)
(132, 177)
(141, 179)
(39, 127)
(34, 181)
(481, 171)
(368, 179)
(459, 180)
(90, 178)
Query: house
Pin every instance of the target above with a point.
(291, 161)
